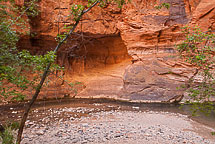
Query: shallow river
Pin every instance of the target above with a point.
(104, 121)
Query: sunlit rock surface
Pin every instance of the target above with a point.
(126, 53)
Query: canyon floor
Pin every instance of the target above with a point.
(90, 121)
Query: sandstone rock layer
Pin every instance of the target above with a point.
(110, 36)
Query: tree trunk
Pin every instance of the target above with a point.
(25, 115)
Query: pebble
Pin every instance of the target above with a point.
(40, 132)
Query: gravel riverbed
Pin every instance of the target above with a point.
(116, 126)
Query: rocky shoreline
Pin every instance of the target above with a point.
(116, 126)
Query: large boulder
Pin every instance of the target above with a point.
(156, 79)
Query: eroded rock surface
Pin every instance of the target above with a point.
(156, 79)
(109, 36)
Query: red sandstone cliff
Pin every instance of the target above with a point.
(111, 35)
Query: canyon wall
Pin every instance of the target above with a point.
(126, 53)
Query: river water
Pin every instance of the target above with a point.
(108, 121)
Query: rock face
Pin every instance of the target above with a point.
(156, 79)
(150, 36)
(111, 35)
